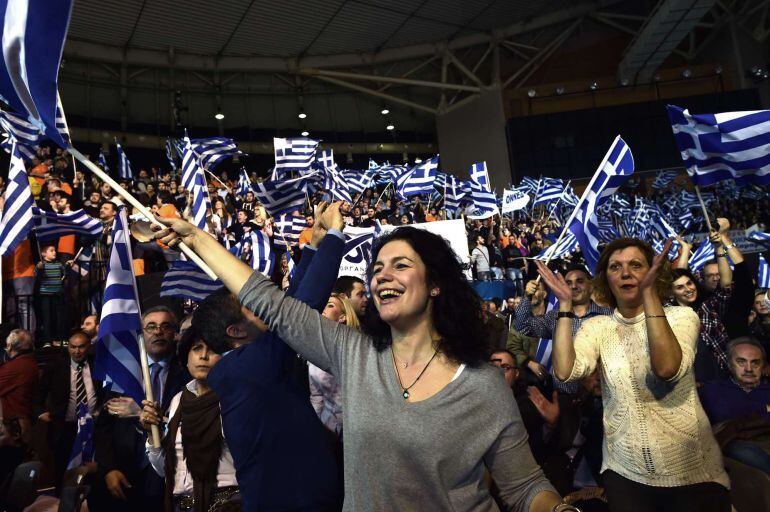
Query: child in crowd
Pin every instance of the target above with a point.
(50, 273)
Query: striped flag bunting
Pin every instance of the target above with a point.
(617, 166)
(186, 280)
(83, 447)
(294, 154)
(722, 146)
(117, 347)
(763, 273)
(124, 166)
(50, 225)
(664, 178)
(566, 245)
(211, 151)
(170, 155)
(194, 179)
(17, 211)
(244, 184)
(418, 180)
(289, 228)
(702, 255)
(33, 39)
(255, 250)
(102, 161)
(283, 196)
(25, 134)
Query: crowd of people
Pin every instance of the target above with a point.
(628, 389)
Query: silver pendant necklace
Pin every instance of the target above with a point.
(405, 390)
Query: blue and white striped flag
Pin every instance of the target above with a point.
(33, 38)
(566, 245)
(763, 273)
(358, 181)
(478, 173)
(255, 249)
(336, 185)
(325, 159)
(186, 280)
(49, 225)
(702, 255)
(484, 203)
(294, 155)
(25, 134)
(61, 122)
(211, 151)
(117, 348)
(721, 146)
(83, 447)
(102, 161)
(282, 196)
(615, 169)
(545, 346)
(17, 211)
(453, 193)
(194, 179)
(417, 180)
(170, 155)
(289, 228)
(760, 238)
(664, 178)
(551, 189)
(124, 166)
(244, 184)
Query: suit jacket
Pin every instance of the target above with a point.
(119, 442)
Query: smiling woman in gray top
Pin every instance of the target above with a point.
(423, 415)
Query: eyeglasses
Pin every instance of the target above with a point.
(507, 367)
(165, 327)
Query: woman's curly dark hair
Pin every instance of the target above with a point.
(683, 272)
(457, 314)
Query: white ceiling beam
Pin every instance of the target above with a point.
(467, 72)
(386, 79)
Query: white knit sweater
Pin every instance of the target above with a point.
(655, 431)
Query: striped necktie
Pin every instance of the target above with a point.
(80, 386)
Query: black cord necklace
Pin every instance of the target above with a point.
(405, 393)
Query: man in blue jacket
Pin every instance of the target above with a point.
(282, 458)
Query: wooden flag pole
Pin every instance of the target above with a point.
(383, 193)
(154, 430)
(703, 207)
(229, 190)
(142, 209)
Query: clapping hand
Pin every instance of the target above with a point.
(657, 263)
(548, 409)
(555, 282)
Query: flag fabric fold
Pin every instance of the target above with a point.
(186, 280)
(17, 219)
(50, 225)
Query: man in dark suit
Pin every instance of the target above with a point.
(126, 481)
(66, 384)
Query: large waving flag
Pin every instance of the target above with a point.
(83, 447)
(33, 38)
(255, 249)
(717, 147)
(186, 280)
(294, 155)
(615, 169)
(211, 151)
(194, 179)
(117, 348)
(551, 189)
(17, 210)
(25, 134)
(244, 183)
(49, 225)
(289, 228)
(124, 166)
(282, 196)
(702, 255)
(763, 273)
(418, 180)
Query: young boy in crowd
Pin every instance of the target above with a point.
(50, 280)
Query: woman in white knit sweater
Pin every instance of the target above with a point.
(658, 452)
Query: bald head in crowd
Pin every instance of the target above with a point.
(19, 341)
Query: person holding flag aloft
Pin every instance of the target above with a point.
(659, 452)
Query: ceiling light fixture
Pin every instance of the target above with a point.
(560, 90)
(390, 127)
(385, 111)
(305, 133)
(418, 160)
(531, 93)
(686, 73)
(302, 115)
(219, 116)
(593, 86)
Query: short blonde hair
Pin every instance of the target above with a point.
(351, 318)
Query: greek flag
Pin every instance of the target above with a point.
(721, 146)
(193, 179)
(61, 122)
(289, 228)
(551, 189)
(82, 264)
(418, 180)
(390, 173)
(479, 175)
(282, 196)
(566, 245)
(617, 166)
(484, 202)
(25, 134)
(336, 185)
(760, 238)
(545, 346)
(255, 250)
(211, 151)
(530, 185)
(33, 38)
(50, 225)
(664, 178)
(325, 159)
(763, 273)
(358, 181)
(117, 347)
(170, 155)
(83, 447)
(185, 280)
(453, 193)
(124, 166)
(102, 161)
(702, 255)
(244, 184)
(17, 211)
(294, 155)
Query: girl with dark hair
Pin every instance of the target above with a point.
(193, 456)
(424, 414)
(659, 452)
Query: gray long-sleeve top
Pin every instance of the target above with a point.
(427, 455)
